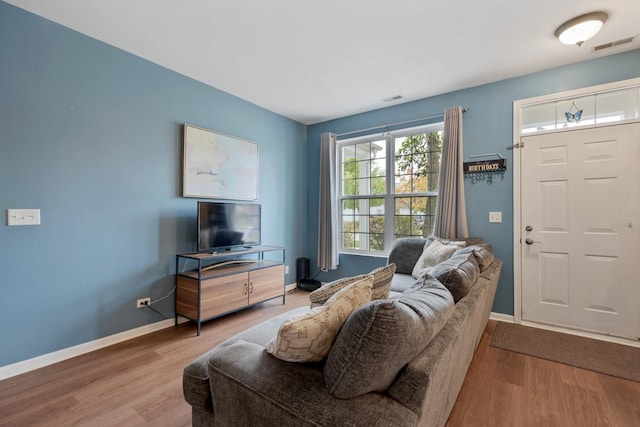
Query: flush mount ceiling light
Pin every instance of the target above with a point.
(582, 28)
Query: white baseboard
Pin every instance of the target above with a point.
(507, 318)
(24, 366)
(290, 287)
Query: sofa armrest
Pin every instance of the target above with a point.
(195, 381)
(195, 377)
(405, 253)
(251, 387)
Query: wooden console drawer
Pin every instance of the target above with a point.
(266, 283)
(223, 294)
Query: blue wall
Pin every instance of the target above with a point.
(488, 128)
(91, 135)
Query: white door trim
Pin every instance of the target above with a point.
(517, 215)
(518, 105)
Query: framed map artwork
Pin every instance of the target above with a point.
(218, 166)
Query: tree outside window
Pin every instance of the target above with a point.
(377, 206)
(417, 159)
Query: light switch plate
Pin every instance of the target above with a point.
(495, 216)
(23, 217)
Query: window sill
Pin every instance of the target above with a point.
(365, 254)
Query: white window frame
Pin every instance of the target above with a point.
(389, 196)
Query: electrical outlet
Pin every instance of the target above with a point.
(495, 216)
(286, 269)
(143, 302)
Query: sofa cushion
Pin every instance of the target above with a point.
(405, 252)
(253, 389)
(483, 253)
(434, 252)
(402, 282)
(307, 337)
(458, 274)
(382, 277)
(382, 336)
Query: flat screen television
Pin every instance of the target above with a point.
(227, 226)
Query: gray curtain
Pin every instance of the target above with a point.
(451, 213)
(328, 211)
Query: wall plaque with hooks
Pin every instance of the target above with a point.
(483, 170)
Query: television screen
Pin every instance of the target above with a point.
(227, 225)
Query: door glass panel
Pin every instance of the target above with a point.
(618, 105)
(597, 108)
(576, 112)
(538, 118)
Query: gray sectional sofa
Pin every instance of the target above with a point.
(239, 384)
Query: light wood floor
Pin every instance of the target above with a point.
(503, 388)
(139, 383)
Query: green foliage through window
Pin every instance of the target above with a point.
(413, 183)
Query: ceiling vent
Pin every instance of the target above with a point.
(392, 98)
(612, 44)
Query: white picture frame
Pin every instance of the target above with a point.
(218, 166)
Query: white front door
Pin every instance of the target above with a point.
(580, 237)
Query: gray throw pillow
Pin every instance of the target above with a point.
(483, 253)
(458, 274)
(434, 252)
(382, 336)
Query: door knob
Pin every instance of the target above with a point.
(530, 241)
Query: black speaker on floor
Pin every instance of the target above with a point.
(302, 276)
(302, 269)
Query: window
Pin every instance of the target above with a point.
(388, 187)
(597, 108)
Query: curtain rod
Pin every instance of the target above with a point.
(386, 125)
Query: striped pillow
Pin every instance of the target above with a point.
(382, 277)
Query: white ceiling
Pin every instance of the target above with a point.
(315, 61)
